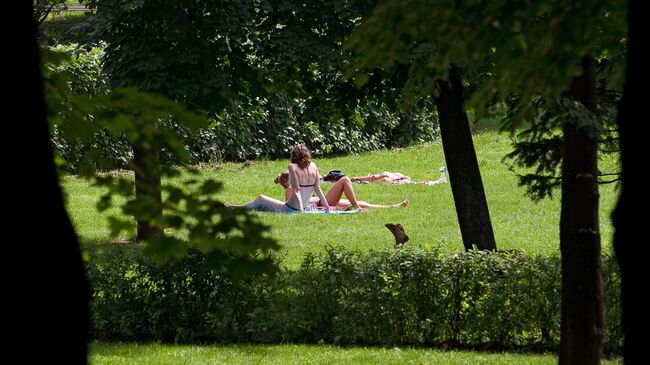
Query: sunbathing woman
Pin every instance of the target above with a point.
(299, 183)
(303, 179)
(334, 195)
(389, 177)
(399, 178)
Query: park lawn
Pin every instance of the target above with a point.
(158, 354)
(429, 220)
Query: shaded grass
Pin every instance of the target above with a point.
(429, 220)
(113, 354)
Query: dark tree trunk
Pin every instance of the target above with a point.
(147, 190)
(464, 173)
(582, 288)
(630, 225)
(52, 292)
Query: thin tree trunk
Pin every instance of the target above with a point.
(630, 227)
(464, 173)
(582, 288)
(147, 190)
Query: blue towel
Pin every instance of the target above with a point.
(320, 211)
(353, 211)
(334, 211)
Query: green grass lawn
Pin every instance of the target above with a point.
(429, 220)
(156, 354)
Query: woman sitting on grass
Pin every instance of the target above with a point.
(334, 195)
(303, 179)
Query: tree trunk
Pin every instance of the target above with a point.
(147, 190)
(52, 292)
(629, 225)
(582, 288)
(464, 173)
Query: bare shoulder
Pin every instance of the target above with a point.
(313, 167)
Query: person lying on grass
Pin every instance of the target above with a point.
(335, 193)
(387, 176)
(303, 179)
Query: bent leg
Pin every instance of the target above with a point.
(344, 185)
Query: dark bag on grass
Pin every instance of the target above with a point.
(332, 176)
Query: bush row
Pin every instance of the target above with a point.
(405, 297)
(249, 128)
(265, 130)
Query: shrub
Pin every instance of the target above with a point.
(105, 151)
(405, 297)
(268, 128)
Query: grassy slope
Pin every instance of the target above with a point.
(430, 219)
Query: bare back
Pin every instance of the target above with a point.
(303, 181)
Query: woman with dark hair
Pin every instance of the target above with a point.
(334, 195)
(304, 179)
(301, 181)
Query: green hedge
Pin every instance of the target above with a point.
(406, 297)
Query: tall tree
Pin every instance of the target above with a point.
(628, 223)
(465, 176)
(536, 49)
(52, 301)
(142, 118)
(582, 288)
(387, 39)
(193, 53)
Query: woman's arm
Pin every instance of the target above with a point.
(295, 189)
(320, 194)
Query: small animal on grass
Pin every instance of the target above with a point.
(398, 231)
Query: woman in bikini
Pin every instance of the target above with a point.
(300, 181)
(303, 179)
(335, 194)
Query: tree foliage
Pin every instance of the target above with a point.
(43, 8)
(271, 74)
(192, 52)
(194, 218)
(533, 48)
(538, 52)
